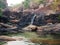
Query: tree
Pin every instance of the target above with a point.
(2, 4)
(26, 3)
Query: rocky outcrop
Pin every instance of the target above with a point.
(50, 29)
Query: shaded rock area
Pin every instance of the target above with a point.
(40, 19)
(7, 28)
(4, 19)
(24, 18)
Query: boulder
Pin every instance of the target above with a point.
(7, 38)
(30, 28)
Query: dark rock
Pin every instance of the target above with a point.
(4, 19)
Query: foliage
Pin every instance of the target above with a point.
(0, 12)
(38, 1)
(59, 17)
(26, 3)
(2, 5)
(25, 34)
(1, 43)
(55, 4)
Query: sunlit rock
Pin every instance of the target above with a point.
(7, 38)
(30, 28)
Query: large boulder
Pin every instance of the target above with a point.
(30, 28)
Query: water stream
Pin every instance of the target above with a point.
(32, 20)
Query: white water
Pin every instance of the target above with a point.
(32, 20)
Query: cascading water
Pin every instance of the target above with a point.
(32, 20)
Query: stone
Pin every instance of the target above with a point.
(7, 38)
(30, 28)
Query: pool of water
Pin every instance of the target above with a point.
(24, 41)
(18, 43)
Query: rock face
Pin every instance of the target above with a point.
(40, 19)
(52, 29)
(26, 20)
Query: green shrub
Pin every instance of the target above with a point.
(0, 12)
(58, 17)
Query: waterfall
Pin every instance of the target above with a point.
(32, 20)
